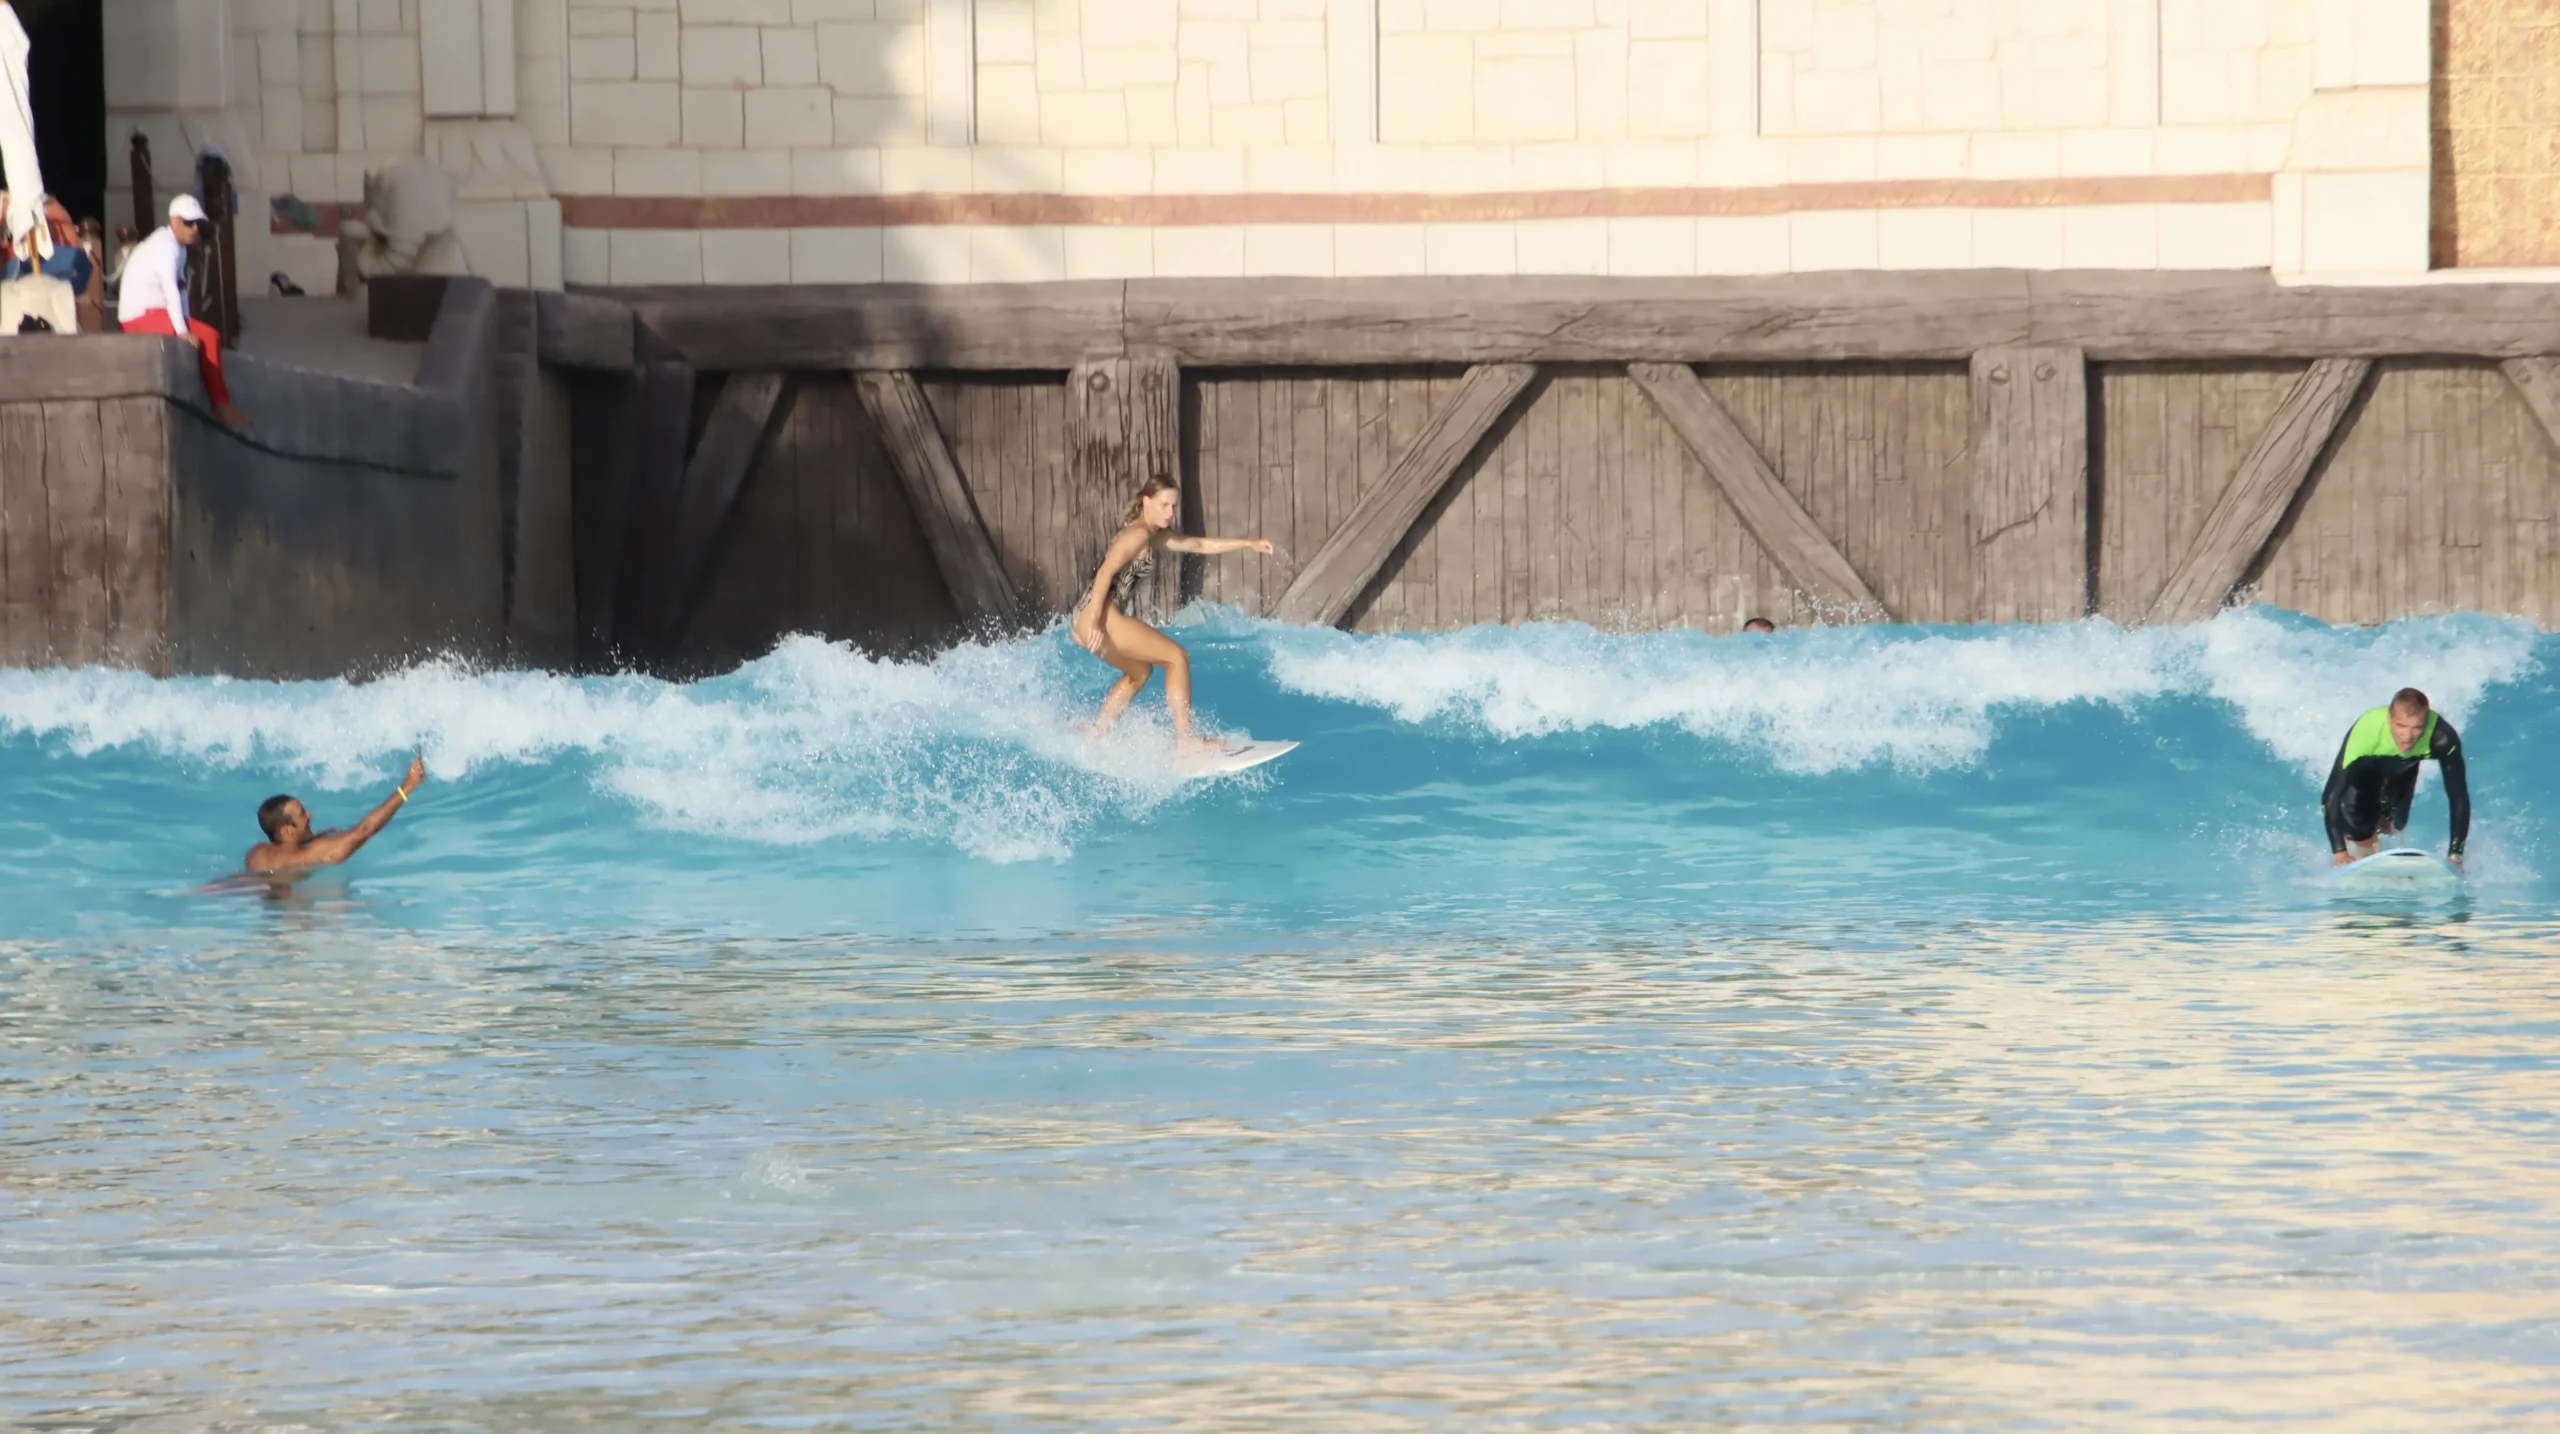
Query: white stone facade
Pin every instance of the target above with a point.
(710, 141)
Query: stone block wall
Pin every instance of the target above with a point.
(964, 141)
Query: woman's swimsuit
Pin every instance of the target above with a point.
(1124, 584)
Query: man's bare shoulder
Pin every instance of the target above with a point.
(268, 859)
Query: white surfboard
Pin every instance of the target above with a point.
(1233, 757)
(2399, 866)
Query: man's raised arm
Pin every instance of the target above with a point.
(338, 846)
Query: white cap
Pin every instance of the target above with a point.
(185, 207)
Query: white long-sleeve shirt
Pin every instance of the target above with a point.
(155, 277)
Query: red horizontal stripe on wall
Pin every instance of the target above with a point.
(889, 211)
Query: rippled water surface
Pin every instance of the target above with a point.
(1894, 1027)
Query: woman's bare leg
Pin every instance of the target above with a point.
(1133, 675)
(1130, 639)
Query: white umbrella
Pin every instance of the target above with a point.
(18, 139)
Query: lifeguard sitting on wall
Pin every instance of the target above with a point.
(153, 299)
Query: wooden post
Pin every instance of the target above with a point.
(135, 434)
(2236, 532)
(146, 213)
(1350, 561)
(939, 495)
(220, 247)
(1122, 429)
(2030, 447)
(603, 460)
(26, 539)
(661, 422)
(75, 482)
(1777, 521)
(742, 418)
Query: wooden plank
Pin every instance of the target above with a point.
(1514, 451)
(1342, 322)
(2171, 315)
(602, 460)
(1123, 429)
(2255, 500)
(939, 495)
(1310, 516)
(1779, 522)
(885, 327)
(26, 537)
(1577, 447)
(1341, 460)
(1355, 552)
(2030, 444)
(75, 480)
(134, 432)
(1942, 315)
(2536, 380)
(582, 331)
(1616, 412)
(1274, 481)
(1542, 518)
(821, 466)
(1482, 495)
(741, 420)
(661, 423)
(1379, 414)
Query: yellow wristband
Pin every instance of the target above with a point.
(402, 793)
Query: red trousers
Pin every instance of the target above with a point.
(208, 357)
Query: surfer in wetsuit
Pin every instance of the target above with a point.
(2376, 775)
(292, 848)
(1102, 624)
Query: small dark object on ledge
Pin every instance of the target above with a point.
(402, 307)
(284, 285)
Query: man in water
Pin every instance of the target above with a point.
(1759, 624)
(292, 848)
(2377, 774)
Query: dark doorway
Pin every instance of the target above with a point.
(67, 83)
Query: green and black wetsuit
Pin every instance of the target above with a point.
(2370, 787)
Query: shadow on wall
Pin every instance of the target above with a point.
(694, 552)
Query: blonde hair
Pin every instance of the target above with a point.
(1146, 490)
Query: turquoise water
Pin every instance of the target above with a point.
(1900, 1027)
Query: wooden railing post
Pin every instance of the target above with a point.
(146, 204)
(219, 289)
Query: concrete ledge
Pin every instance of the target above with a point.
(423, 429)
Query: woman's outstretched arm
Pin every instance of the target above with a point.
(1215, 546)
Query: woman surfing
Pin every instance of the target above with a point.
(1102, 624)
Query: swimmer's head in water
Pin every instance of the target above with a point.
(278, 813)
(1759, 624)
(1158, 501)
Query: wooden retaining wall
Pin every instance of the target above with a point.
(2037, 457)
(674, 479)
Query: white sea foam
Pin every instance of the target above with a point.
(811, 742)
(974, 748)
(1833, 699)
